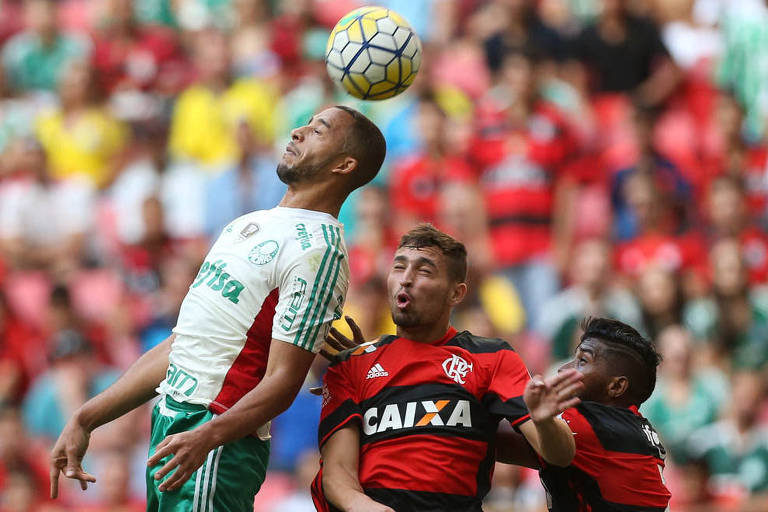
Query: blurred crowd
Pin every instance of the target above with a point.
(597, 157)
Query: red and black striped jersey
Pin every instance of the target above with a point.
(427, 415)
(618, 464)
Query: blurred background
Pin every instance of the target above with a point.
(597, 157)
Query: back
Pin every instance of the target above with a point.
(618, 464)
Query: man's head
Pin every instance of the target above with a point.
(337, 142)
(427, 278)
(618, 364)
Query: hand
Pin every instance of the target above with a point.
(188, 450)
(363, 503)
(67, 456)
(339, 342)
(546, 398)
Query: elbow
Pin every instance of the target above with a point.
(563, 456)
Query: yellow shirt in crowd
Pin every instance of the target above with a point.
(83, 146)
(204, 124)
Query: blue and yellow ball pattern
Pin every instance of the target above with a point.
(373, 53)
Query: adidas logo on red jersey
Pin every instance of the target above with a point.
(377, 371)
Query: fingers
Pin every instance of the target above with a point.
(326, 355)
(337, 340)
(565, 377)
(176, 480)
(167, 468)
(569, 391)
(357, 333)
(573, 402)
(54, 475)
(162, 451)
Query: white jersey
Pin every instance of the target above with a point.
(272, 274)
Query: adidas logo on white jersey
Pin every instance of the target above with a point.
(377, 371)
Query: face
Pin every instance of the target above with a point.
(419, 288)
(590, 361)
(314, 147)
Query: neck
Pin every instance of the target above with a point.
(425, 333)
(324, 199)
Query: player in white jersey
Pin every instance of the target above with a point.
(249, 328)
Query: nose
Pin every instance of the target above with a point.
(406, 278)
(297, 134)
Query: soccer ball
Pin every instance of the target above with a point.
(373, 53)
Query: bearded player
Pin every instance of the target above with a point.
(409, 422)
(248, 330)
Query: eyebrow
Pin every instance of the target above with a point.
(586, 350)
(323, 121)
(419, 261)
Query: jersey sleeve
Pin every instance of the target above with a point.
(312, 292)
(340, 405)
(505, 391)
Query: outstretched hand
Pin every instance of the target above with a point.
(546, 398)
(67, 456)
(337, 342)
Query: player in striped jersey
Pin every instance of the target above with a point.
(248, 330)
(409, 422)
(619, 461)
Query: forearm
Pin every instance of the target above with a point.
(268, 399)
(135, 387)
(341, 487)
(555, 441)
(512, 448)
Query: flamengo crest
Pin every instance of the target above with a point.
(456, 368)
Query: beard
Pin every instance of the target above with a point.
(288, 175)
(405, 319)
(293, 174)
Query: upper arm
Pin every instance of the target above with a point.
(312, 291)
(288, 363)
(340, 403)
(341, 450)
(513, 448)
(507, 385)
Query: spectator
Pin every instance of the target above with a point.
(661, 298)
(592, 292)
(687, 395)
(735, 449)
(22, 355)
(128, 56)
(81, 138)
(44, 222)
(34, 59)
(375, 240)
(734, 319)
(74, 376)
(727, 209)
(416, 181)
(207, 114)
(23, 475)
(522, 144)
(625, 53)
(250, 184)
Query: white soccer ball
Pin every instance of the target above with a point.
(373, 53)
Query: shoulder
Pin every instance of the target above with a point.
(478, 344)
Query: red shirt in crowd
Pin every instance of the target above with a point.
(520, 166)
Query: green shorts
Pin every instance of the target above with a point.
(228, 480)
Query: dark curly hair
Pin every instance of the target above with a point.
(634, 356)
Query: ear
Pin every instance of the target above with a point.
(457, 294)
(345, 165)
(618, 386)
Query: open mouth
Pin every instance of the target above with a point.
(403, 300)
(289, 149)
